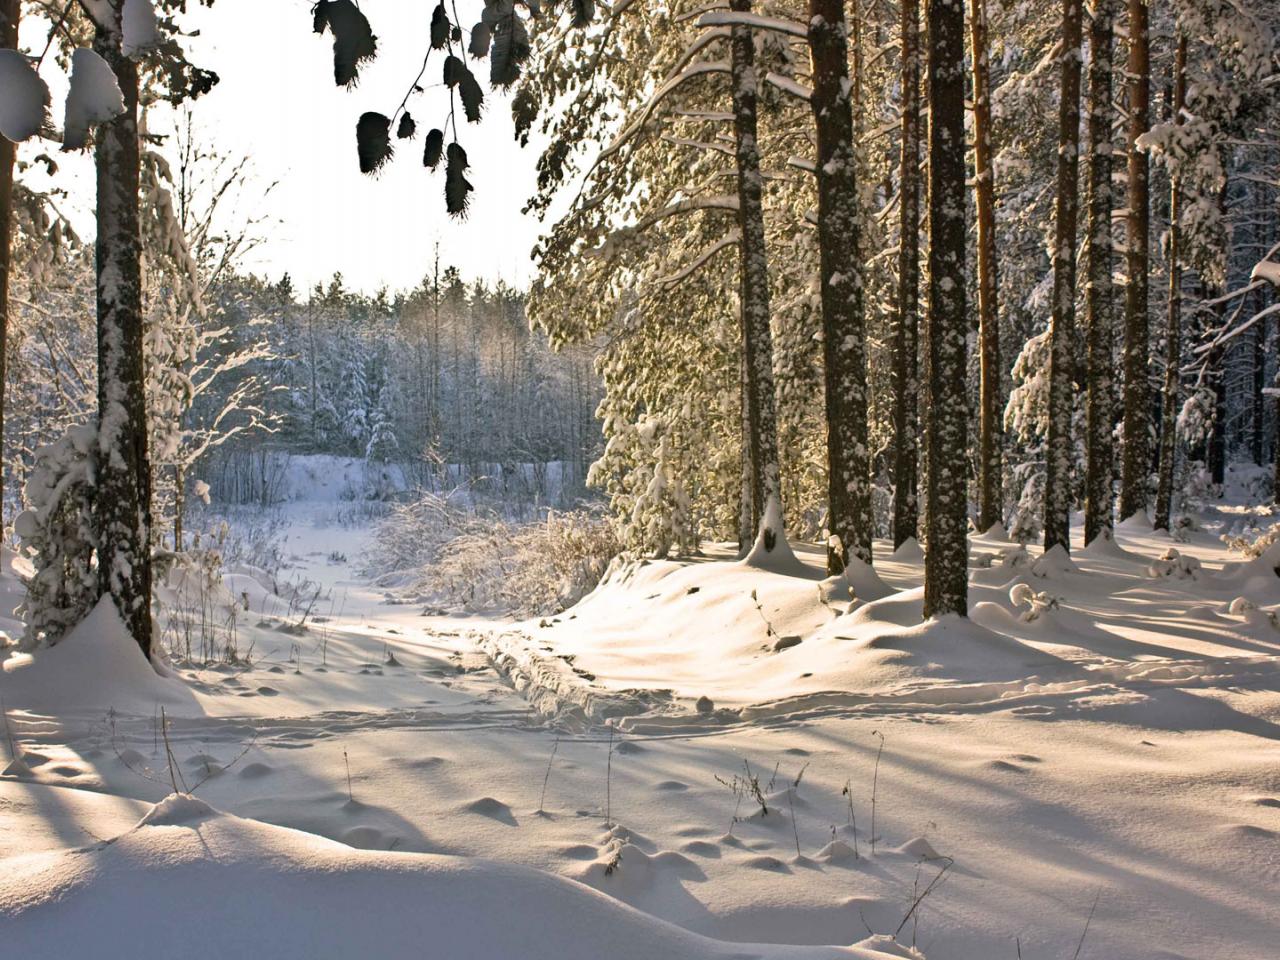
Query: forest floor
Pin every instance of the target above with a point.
(1089, 767)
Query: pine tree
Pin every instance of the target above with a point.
(1060, 449)
(1173, 334)
(122, 468)
(10, 12)
(1136, 462)
(946, 578)
(757, 338)
(906, 378)
(843, 336)
(1099, 419)
(990, 403)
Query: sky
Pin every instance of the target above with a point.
(278, 104)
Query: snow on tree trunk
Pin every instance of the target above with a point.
(1136, 461)
(10, 11)
(1060, 448)
(121, 469)
(946, 574)
(1173, 336)
(748, 520)
(1099, 418)
(757, 339)
(906, 376)
(843, 339)
(991, 402)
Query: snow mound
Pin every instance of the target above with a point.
(286, 894)
(778, 558)
(893, 641)
(93, 97)
(864, 582)
(95, 667)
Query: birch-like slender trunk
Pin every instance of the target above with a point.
(1099, 417)
(946, 574)
(991, 394)
(843, 338)
(757, 339)
(1136, 461)
(906, 376)
(122, 498)
(1173, 335)
(1060, 449)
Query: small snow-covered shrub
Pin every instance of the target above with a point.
(1254, 542)
(56, 532)
(1035, 603)
(1175, 566)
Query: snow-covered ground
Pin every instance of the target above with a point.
(1098, 746)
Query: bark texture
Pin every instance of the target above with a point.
(1060, 451)
(122, 469)
(946, 578)
(10, 12)
(1136, 461)
(906, 376)
(757, 339)
(843, 338)
(991, 394)
(1173, 335)
(1099, 417)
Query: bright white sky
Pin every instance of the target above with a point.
(277, 103)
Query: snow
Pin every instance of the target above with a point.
(138, 23)
(216, 885)
(1267, 270)
(24, 102)
(93, 97)
(379, 779)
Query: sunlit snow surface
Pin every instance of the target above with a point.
(1104, 728)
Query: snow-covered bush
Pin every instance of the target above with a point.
(56, 532)
(1253, 542)
(447, 549)
(1174, 565)
(524, 569)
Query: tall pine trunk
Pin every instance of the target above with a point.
(1099, 417)
(843, 339)
(906, 376)
(1136, 462)
(122, 497)
(946, 575)
(1060, 452)
(991, 401)
(10, 12)
(1173, 335)
(757, 339)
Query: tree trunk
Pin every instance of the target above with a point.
(122, 500)
(843, 338)
(1099, 417)
(748, 515)
(1136, 463)
(1173, 336)
(946, 576)
(991, 402)
(10, 12)
(757, 339)
(1060, 451)
(906, 377)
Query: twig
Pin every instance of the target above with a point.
(608, 782)
(919, 899)
(1088, 920)
(794, 829)
(543, 798)
(875, 785)
(345, 759)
